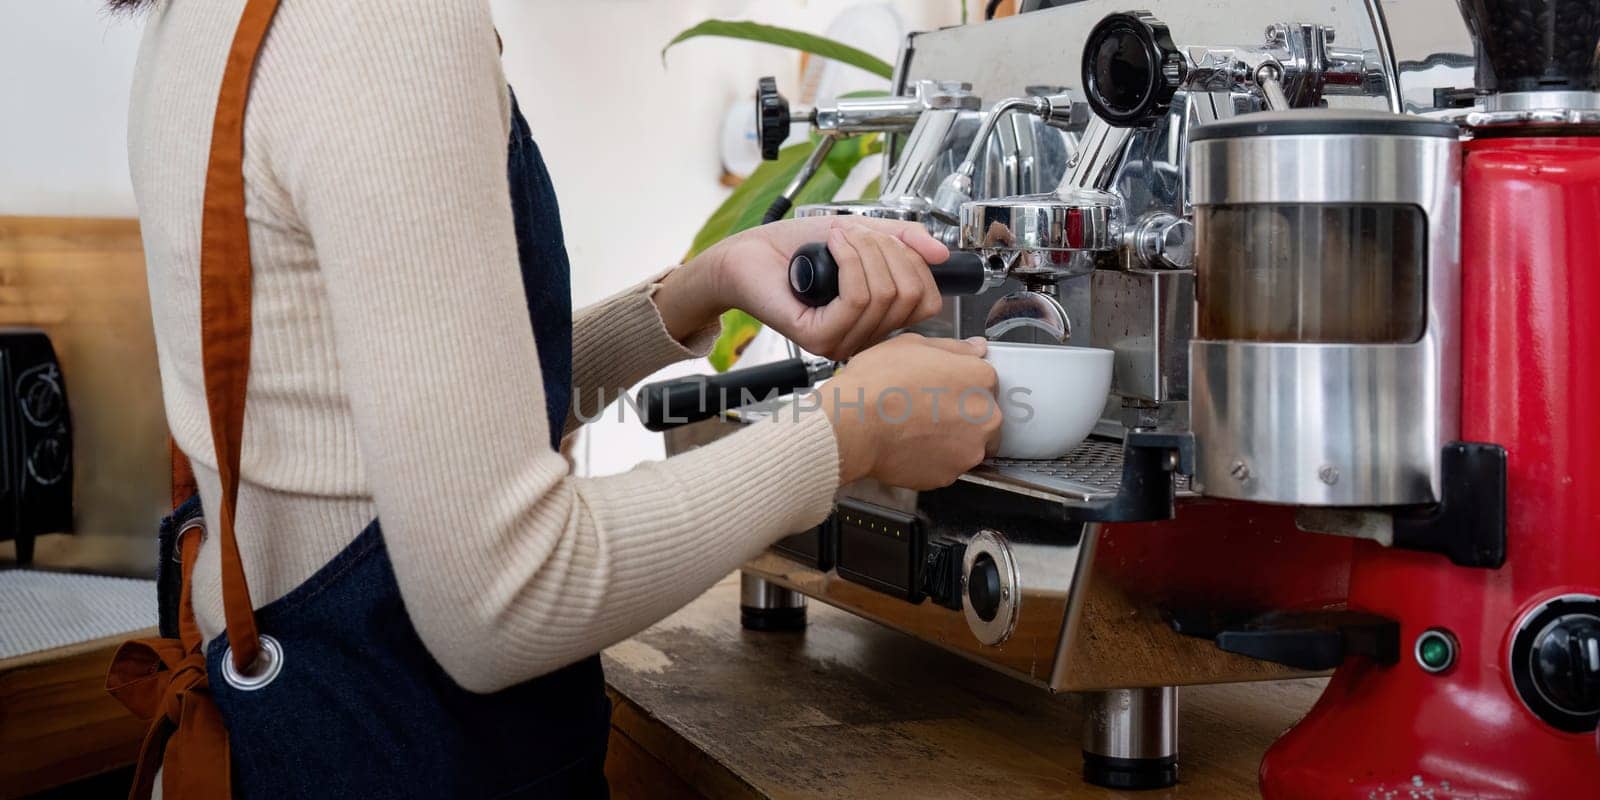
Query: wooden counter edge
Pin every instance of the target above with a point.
(648, 759)
(57, 722)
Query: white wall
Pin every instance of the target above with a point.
(632, 144)
(64, 68)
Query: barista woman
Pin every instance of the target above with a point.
(413, 588)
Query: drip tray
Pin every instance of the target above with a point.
(1092, 472)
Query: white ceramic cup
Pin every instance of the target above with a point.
(1051, 396)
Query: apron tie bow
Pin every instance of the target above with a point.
(164, 681)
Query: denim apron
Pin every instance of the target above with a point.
(359, 709)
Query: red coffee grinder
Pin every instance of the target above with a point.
(1497, 691)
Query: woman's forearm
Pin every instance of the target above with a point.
(618, 341)
(690, 298)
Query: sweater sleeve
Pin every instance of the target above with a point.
(509, 566)
(618, 341)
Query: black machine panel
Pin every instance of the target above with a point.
(880, 548)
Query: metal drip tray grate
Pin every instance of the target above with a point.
(1090, 473)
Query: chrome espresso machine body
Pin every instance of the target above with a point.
(1274, 254)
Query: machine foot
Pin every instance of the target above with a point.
(766, 606)
(1130, 738)
(1130, 773)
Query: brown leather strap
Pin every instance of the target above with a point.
(225, 311)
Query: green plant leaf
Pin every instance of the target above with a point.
(738, 329)
(873, 189)
(786, 37)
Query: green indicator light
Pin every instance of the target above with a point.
(1436, 650)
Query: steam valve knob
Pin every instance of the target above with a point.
(983, 587)
(1131, 69)
(1555, 662)
(772, 118)
(1566, 662)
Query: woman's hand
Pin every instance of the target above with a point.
(914, 412)
(884, 282)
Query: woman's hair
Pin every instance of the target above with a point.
(127, 5)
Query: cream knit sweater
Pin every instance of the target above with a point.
(393, 371)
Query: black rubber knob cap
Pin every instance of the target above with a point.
(772, 118)
(1555, 662)
(1566, 663)
(814, 275)
(983, 587)
(1131, 69)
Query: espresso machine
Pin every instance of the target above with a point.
(1344, 431)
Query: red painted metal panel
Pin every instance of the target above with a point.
(1530, 300)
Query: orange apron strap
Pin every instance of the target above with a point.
(163, 680)
(225, 311)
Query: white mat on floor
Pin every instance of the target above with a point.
(46, 610)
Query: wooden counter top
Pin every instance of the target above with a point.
(851, 709)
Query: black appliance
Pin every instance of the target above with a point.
(35, 441)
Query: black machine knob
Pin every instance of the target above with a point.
(1566, 663)
(1555, 662)
(49, 459)
(772, 118)
(1131, 69)
(42, 401)
(983, 587)
(814, 275)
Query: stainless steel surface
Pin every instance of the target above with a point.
(1131, 723)
(1163, 241)
(1279, 169)
(1530, 101)
(1384, 45)
(992, 544)
(873, 114)
(1028, 316)
(1001, 57)
(1060, 225)
(1091, 472)
(1018, 155)
(1124, 202)
(757, 592)
(1533, 109)
(1146, 318)
(1062, 583)
(1057, 110)
(808, 170)
(1331, 424)
(875, 209)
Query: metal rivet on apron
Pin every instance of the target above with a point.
(177, 550)
(266, 667)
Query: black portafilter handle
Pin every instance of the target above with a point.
(814, 275)
(680, 401)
